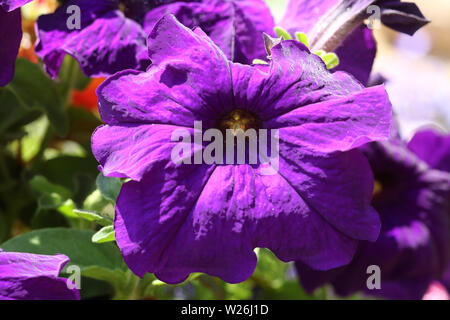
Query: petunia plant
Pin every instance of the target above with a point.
(206, 150)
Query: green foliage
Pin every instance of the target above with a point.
(282, 33)
(105, 234)
(97, 261)
(76, 244)
(36, 90)
(94, 217)
(109, 187)
(13, 115)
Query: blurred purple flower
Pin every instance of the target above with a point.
(446, 279)
(110, 41)
(11, 5)
(338, 25)
(414, 205)
(434, 148)
(25, 276)
(235, 26)
(10, 37)
(174, 219)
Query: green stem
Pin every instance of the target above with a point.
(134, 288)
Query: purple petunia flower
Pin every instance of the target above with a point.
(11, 5)
(337, 25)
(434, 148)
(25, 276)
(10, 37)
(414, 245)
(110, 40)
(173, 219)
(446, 279)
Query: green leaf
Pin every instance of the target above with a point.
(67, 209)
(74, 173)
(113, 277)
(105, 234)
(94, 217)
(71, 77)
(36, 90)
(48, 218)
(259, 61)
(191, 277)
(320, 53)
(51, 201)
(52, 196)
(331, 60)
(42, 185)
(35, 135)
(3, 227)
(97, 261)
(13, 113)
(109, 187)
(301, 37)
(82, 124)
(76, 244)
(282, 33)
(95, 202)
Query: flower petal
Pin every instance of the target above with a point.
(207, 68)
(11, 5)
(295, 78)
(357, 54)
(338, 124)
(133, 150)
(433, 148)
(173, 90)
(343, 178)
(215, 230)
(10, 35)
(106, 43)
(414, 244)
(404, 17)
(31, 276)
(235, 26)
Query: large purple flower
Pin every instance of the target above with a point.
(110, 40)
(10, 37)
(414, 245)
(173, 219)
(337, 25)
(25, 276)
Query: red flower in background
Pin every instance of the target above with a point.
(87, 98)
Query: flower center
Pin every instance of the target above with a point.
(239, 119)
(377, 188)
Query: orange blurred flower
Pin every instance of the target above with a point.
(87, 98)
(30, 13)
